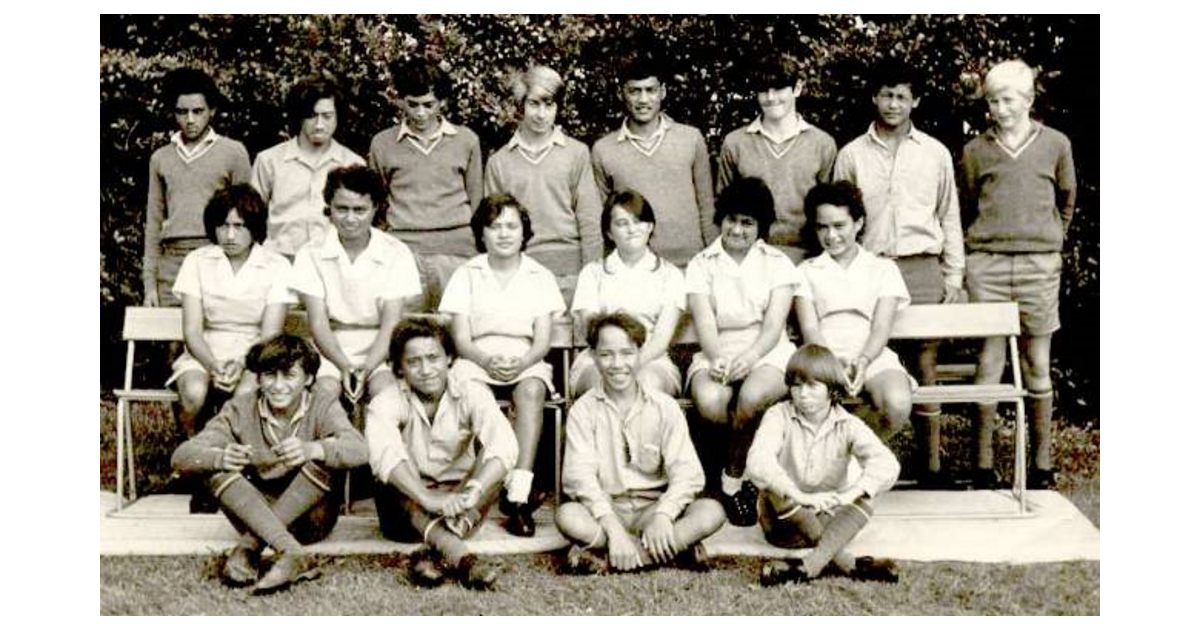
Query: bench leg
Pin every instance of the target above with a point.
(1019, 481)
(120, 454)
(132, 466)
(558, 438)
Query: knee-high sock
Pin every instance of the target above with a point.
(298, 498)
(1041, 409)
(452, 548)
(246, 503)
(985, 427)
(927, 429)
(847, 521)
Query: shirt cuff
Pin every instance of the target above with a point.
(954, 280)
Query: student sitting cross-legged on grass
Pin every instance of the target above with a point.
(440, 447)
(272, 459)
(800, 459)
(631, 467)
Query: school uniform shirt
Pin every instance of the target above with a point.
(739, 293)
(646, 453)
(433, 188)
(671, 170)
(558, 188)
(910, 198)
(845, 298)
(354, 291)
(246, 419)
(790, 453)
(790, 169)
(181, 182)
(497, 311)
(609, 285)
(466, 430)
(294, 189)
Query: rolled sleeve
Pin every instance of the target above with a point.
(581, 465)
(385, 444)
(953, 259)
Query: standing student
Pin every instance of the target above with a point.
(739, 293)
(551, 175)
(502, 302)
(273, 459)
(355, 282)
(183, 177)
(440, 447)
(801, 460)
(630, 467)
(433, 171)
(664, 160)
(911, 201)
(1018, 198)
(780, 148)
(635, 280)
(291, 175)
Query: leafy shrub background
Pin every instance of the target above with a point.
(255, 58)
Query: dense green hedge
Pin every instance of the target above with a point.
(255, 58)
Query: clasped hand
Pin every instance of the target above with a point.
(502, 368)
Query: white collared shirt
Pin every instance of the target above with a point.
(646, 144)
(190, 155)
(426, 145)
(757, 127)
(508, 311)
(234, 301)
(853, 289)
(354, 291)
(607, 286)
(739, 293)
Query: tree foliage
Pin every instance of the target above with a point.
(254, 59)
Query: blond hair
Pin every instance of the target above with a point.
(539, 76)
(1013, 73)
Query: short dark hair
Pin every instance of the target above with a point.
(619, 319)
(418, 78)
(191, 81)
(303, 97)
(893, 72)
(355, 178)
(249, 205)
(490, 209)
(774, 71)
(749, 196)
(641, 66)
(632, 202)
(280, 353)
(812, 362)
(411, 328)
(840, 193)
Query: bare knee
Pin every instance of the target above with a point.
(991, 361)
(575, 522)
(712, 401)
(529, 393)
(328, 386)
(380, 382)
(193, 390)
(708, 514)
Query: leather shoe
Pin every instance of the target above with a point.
(521, 522)
(986, 479)
(936, 480)
(241, 566)
(289, 568)
(876, 570)
(477, 573)
(1038, 479)
(776, 572)
(694, 558)
(426, 569)
(741, 507)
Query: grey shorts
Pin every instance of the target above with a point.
(1030, 280)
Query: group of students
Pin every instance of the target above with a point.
(844, 239)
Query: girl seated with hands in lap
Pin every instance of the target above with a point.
(740, 292)
(502, 302)
(635, 280)
(847, 300)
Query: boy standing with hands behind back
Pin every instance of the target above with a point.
(1018, 198)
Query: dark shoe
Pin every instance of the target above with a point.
(694, 558)
(289, 568)
(741, 508)
(426, 569)
(241, 567)
(1039, 479)
(876, 570)
(776, 572)
(582, 561)
(521, 522)
(986, 479)
(203, 503)
(477, 573)
(936, 480)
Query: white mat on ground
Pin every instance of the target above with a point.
(908, 525)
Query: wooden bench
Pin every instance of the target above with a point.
(145, 324)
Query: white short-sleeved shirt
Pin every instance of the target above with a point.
(234, 301)
(642, 290)
(505, 311)
(853, 289)
(353, 291)
(739, 293)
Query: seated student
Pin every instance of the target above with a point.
(291, 175)
(636, 280)
(550, 173)
(272, 459)
(631, 467)
(440, 447)
(234, 294)
(502, 302)
(848, 300)
(355, 281)
(800, 459)
(739, 293)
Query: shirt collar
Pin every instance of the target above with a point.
(454, 389)
(716, 250)
(481, 262)
(257, 257)
(837, 414)
(557, 137)
(335, 152)
(201, 147)
(825, 260)
(647, 263)
(331, 247)
(264, 412)
(801, 126)
(444, 129)
(641, 396)
(626, 134)
(913, 134)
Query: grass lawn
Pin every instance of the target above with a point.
(368, 585)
